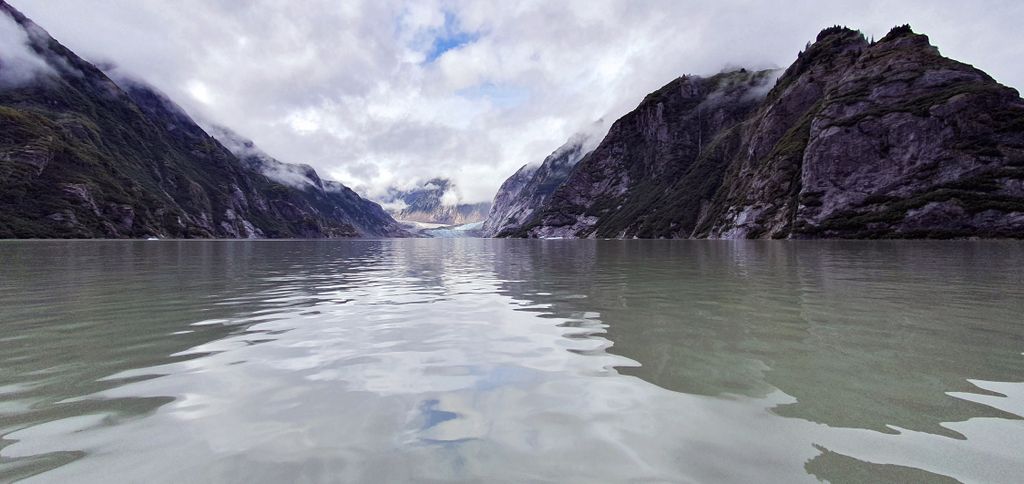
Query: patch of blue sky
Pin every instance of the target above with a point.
(500, 96)
(449, 37)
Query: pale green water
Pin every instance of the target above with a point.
(511, 361)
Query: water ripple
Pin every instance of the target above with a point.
(462, 360)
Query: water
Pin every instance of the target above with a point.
(511, 361)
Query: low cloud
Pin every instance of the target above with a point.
(394, 205)
(379, 93)
(291, 175)
(450, 198)
(19, 64)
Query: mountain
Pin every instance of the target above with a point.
(530, 187)
(856, 139)
(650, 173)
(889, 139)
(83, 156)
(326, 197)
(435, 202)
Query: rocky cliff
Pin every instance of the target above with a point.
(530, 187)
(855, 140)
(658, 164)
(889, 139)
(84, 156)
(435, 202)
(326, 197)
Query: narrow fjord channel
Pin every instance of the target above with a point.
(511, 360)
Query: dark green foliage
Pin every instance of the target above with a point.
(1010, 121)
(874, 217)
(790, 148)
(897, 32)
(922, 105)
(673, 210)
(669, 178)
(974, 195)
(811, 199)
(841, 30)
(83, 157)
(986, 121)
(824, 52)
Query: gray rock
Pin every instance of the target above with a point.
(900, 142)
(435, 201)
(531, 186)
(855, 140)
(85, 156)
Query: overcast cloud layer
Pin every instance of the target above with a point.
(376, 93)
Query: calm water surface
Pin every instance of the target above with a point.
(511, 361)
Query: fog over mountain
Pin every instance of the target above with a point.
(84, 154)
(378, 94)
(436, 201)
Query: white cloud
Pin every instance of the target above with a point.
(19, 64)
(349, 86)
(199, 92)
(450, 198)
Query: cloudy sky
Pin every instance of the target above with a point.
(377, 93)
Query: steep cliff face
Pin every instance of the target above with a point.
(504, 211)
(328, 198)
(658, 164)
(435, 202)
(775, 137)
(883, 140)
(856, 140)
(530, 187)
(82, 156)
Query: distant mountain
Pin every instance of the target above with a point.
(84, 156)
(327, 197)
(530, 188)
(435, 202)
(856, 139)
(648, 176)
(508, 209)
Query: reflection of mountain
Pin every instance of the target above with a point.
(493, 353)
(859, 334)
(435, 202)
(105, 331)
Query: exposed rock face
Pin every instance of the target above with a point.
(882, 140)
(435, 202)
(658, 164)
(856, 140)
(505, 211)
(530, 187)
(84, 156)
(326, 197)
